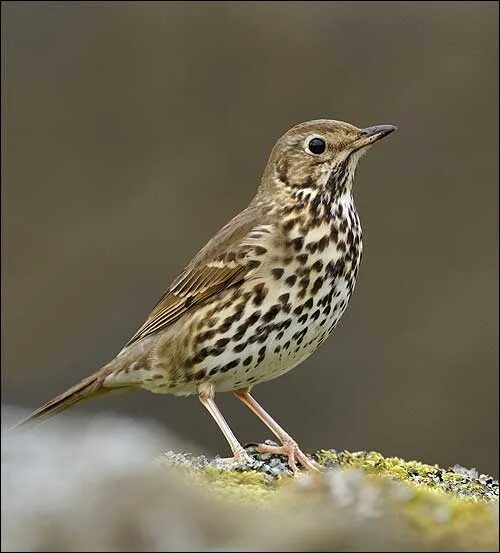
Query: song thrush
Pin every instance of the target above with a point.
(264, 292)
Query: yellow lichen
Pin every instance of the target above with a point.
(415, 473)
(441, 507)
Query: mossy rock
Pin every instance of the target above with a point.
(407, 504)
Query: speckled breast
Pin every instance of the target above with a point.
(277, 320)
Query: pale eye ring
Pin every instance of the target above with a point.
(315, 145)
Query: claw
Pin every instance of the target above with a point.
(240, 456)
(293, 453)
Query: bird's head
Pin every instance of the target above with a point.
(320, 154)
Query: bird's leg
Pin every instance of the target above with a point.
(288, 446)
(206, 395)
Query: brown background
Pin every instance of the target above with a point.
(132, 131)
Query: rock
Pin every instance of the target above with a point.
(101, 484)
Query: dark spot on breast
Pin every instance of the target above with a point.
(302, 258)
(303, 318)
(291, 280)
(285, 305)
(207, 335)
(317, 266)
(341, 246)
(239, 335)
(231, 365)
(304, 282)
(200, 356)
(261, 338)
(299, 336)
(247, 361)
(238, 313)
(308, 304)
(254, 317)
(343, 226)
(315, 315)
(312, 247)
(271, 314)
(260, 294)
(302, 271)
(297, 243)
(317, 285)
(215, 352)
(284, 298)
(240, 347)
(259, 250)
(316, 201)
(221, 343)
(288, 225)
(323, 243)
(277, 273)
(262, 353)
(253, 264)
(225, 326)
(214, 371)
(241, 330)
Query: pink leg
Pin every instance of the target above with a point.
(206, 396)
(289, 446)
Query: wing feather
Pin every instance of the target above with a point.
(222, 263)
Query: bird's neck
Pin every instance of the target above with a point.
(316, 202)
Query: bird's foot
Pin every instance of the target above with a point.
(291, 450)
(240, 457)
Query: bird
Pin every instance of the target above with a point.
(261, 296)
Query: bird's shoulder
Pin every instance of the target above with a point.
(230, 257)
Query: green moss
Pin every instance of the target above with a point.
(443, 505)
(464, 484)
(238, 485)
(455, 483)
(442, 509)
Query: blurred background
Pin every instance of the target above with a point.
(133, 131)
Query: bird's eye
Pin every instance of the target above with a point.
(316, 146)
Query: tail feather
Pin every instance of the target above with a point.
(86, 389)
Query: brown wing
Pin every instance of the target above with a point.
(223, 262)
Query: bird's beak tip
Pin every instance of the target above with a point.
(379, 130)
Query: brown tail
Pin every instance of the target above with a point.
(86, 389)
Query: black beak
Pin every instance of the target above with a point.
(378, 130)
(370, 135)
